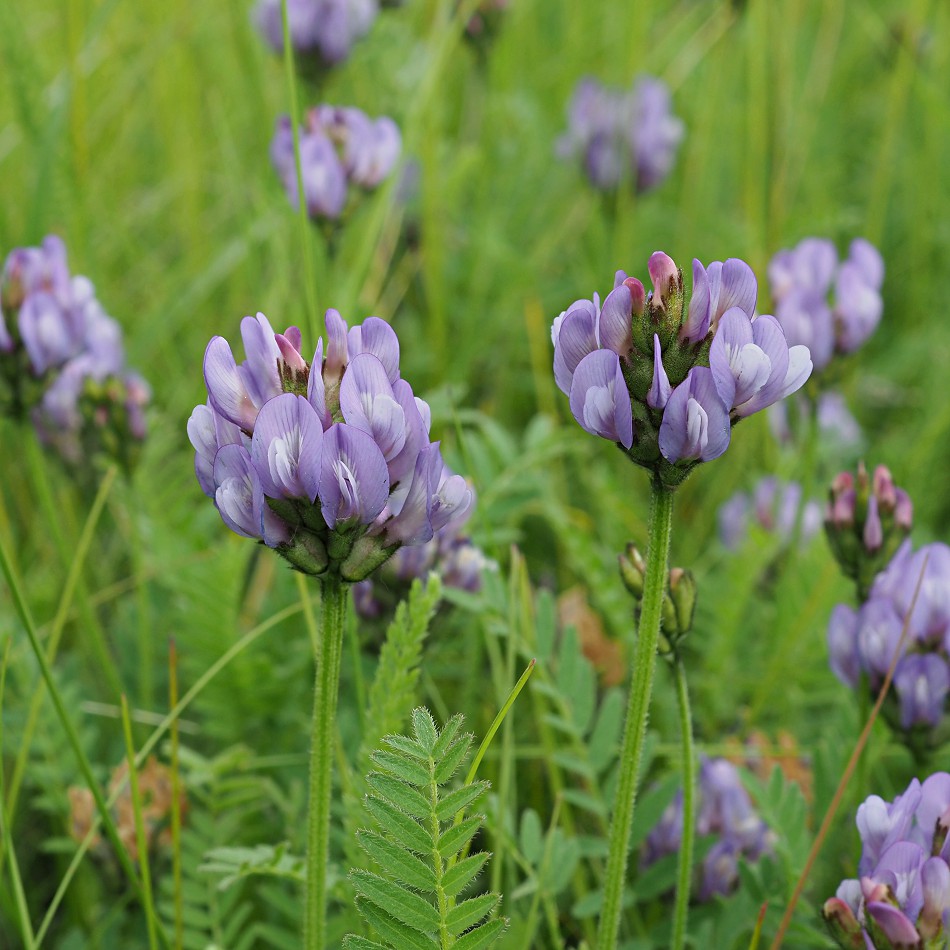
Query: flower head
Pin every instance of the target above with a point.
(622, 135)
(329, 460)
(326, 29)
(775, 506)
(666, 376)
(339, 147)
(902, 897)
(801, 280)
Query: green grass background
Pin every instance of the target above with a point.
(139, 132)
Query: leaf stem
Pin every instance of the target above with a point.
(638, 708)
(685, 866)
(326, 689)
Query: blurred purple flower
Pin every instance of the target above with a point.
(774, 506)
(725, 812)
(622, 135)
(801, 279)
(338, 147)
(325, 28)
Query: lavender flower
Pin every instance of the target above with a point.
(862, 643)
(801, 279)
(62, 361)
(774, 506)
(621, 135)
(326, 29)
(726, 812)
(902, 895)
(338, 147)
(328, 461)
(666, 379)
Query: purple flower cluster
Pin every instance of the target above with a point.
(449, 553)
(802, 279)
(774, 506)
(725, 811)
(862, 643)
(837, 427)
(666, 380)
(622, 135)
(901, 897)
(325, 28)
(339, 147)
(62, 360)
(327, 461)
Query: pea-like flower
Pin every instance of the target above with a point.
(666, 378)
(901, 897)
(725, 812)
(339, 147)
(328, 461)
(324, 29)
(622, 135)
(802, 279)
(62, 362)
(774, 506)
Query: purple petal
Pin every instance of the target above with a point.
(49, 331)
(336, 347)
(922, 682)
(696, 325)
(227, 388)
(238, 495)
(599, 398)
(738, 288)
(316, 388)
(895, 926)
(201, 436)
(881, 824)
(262, 356)
(368, 403)
(614, 326)
(696, 421)
(843, 645)
(806, 320)
(286, 447)
(879, 632)
(660, 389)
(868, 260)
(452, 498)
(402, 465)
(377, 337)
(411, 524)
(576, 339)
(354, 481)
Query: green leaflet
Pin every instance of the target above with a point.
(409, 900)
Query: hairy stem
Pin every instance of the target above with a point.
(685, 867)
(638, 707)
(328, 653)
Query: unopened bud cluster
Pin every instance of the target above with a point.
(666, 375)
(901, 897)
(62, 364)
(679, 595)
(866, 519)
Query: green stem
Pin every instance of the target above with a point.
(327, 686)
(684, 870)
(638, 707)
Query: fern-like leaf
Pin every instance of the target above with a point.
(410, 898)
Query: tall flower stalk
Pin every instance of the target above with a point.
(665, 377)
(328, 462)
